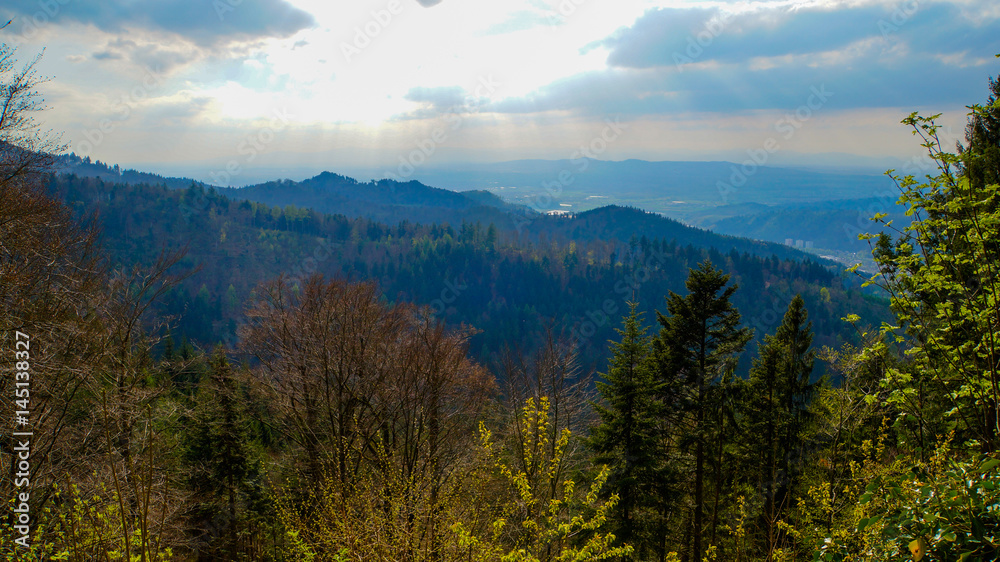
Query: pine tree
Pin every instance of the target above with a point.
(696, 353)
(220, 449)
(626, 438)
(980, 154)
(776, 401)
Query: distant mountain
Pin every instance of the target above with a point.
(391, 202)
(384, 200)
(87, 168)
(636, 181)
(615, 222)
(832, 225)
(687, 191)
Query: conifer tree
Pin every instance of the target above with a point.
(225, 463)
(696, 352)
(626, 438)
(777, 397)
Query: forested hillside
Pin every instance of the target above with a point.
(565, 275)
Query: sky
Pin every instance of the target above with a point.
(227, 90)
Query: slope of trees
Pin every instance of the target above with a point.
(511, 289)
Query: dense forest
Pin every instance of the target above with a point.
(512, 287)
(188, 376)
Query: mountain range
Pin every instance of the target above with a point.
(510, 272)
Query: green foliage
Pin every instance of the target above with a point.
(87, 529)
(774, 414)
(225, 469)
(514, 288)
(545, 519)
(942, 511)
(941, 273)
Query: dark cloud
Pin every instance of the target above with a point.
(207, 23)
(772, 58)
(428, 3)
(106, 55)
(150, 55)
(672, 36)
(737, 88)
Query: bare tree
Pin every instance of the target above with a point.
(380, 403)
(50, 272)
(26, 152)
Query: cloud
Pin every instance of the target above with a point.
(434, 102)
(439, 98)
(669, 36)
(428, 3)
(176, 113)
(520, 21)
(206, 23)
(147, 55)
(676, 60)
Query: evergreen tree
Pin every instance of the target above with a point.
(981, 152)
(223, 460)
(697, 350)
(777, 397)
(626, 439)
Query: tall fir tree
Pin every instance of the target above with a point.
(696, 351)
(626, 438)
(774, 411)
(980, 155)
(226, 469)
